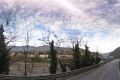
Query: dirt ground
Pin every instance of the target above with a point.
(33, 69)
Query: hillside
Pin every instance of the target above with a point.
(30, 48)
(65, 50)
(41, 48)
(115, 53)
(105, 55)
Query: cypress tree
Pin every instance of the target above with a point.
(86, 57)
(97, 58)
(92, 59)
(77, 56)
(53, 59)
(4, 57)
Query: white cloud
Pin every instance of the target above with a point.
(96, 16)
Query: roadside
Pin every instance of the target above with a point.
(109, 71)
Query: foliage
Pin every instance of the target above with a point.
(86, 59)
(53, 59)
(97, 58)
(4, 53)
(77, 56)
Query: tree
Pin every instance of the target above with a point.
(46, 38)
(77, 56)
(27, 30)
(62, 66)
(92, 59)
(4, 53)
(76, 38)
(86, 61)
(53, 59)
(97, 58)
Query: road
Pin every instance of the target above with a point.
(109, 71)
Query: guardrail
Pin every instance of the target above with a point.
(61, 76)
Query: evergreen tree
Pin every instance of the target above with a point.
(4, 57)
(87, 57)
(77, 56)
(53, 59)
(97, 58)
(92, 59)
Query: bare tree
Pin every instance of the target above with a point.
(75, 37)
(48, 36)
(27, 37)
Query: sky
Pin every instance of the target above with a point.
(97, 21)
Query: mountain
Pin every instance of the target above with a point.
(30, 48)
(65, 50)
(40, 48)
(105, 55)
(115, 53)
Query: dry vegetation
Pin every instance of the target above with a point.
(36, 66)
(35, 69)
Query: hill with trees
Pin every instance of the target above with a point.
(115, 53)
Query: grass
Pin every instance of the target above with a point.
(39, 59)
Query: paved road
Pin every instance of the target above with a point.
(109, 71)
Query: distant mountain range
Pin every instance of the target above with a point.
(30, 48)
(40, 48)
(67, 50)
(105, 55)
(113, 54)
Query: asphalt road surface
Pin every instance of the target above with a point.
(109, 71)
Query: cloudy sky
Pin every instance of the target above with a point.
(98, 21)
